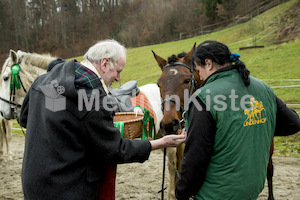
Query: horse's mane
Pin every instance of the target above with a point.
(172, 59)
(38, 60)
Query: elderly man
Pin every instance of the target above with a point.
(70, 153)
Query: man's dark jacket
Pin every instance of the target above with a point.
(67, 152)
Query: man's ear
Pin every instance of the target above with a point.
(104, 65)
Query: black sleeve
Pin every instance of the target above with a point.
(105, 140)
(287, 120)
(197, 152)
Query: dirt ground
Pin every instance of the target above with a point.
(142, 181)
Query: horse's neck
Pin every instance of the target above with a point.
(28, 76)
(32, 68)
(33, 65)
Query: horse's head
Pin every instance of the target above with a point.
(23, 68)
(8, 106)
(178, 81)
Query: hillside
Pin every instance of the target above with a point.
(277, 61)
(265, 29)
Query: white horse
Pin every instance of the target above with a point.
(32, 65)
(5, 136)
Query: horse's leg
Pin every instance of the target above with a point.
(172, 163)
(270, 171)
(7, 127)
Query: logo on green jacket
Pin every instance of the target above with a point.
(254, 113)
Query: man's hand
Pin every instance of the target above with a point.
(169, 141)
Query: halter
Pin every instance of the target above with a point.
(15, 83)
(193, 86)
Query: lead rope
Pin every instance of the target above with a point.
(18, 120)
(163, 177)
(164, 165)
(24, 133)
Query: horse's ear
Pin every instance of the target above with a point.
(187, 58)
(13, 56)
(160, 61)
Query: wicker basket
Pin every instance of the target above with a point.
(133, 124)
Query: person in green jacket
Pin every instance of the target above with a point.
(231, 121)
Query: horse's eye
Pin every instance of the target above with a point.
(5, 78)
(187, 81)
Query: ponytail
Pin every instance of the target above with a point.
(243, 71)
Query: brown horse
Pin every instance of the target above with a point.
(177, 78)
(178, 81)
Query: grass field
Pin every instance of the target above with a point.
(274, 64)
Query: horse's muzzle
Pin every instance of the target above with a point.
(13, 114)
(172, 128)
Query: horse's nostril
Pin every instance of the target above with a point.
(176, 128)
(170, 128)
(175, 125)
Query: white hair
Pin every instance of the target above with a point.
(110, 49)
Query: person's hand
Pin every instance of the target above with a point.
(175, 140)
(169, 141)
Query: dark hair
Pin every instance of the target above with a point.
(220, 54)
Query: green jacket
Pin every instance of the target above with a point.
(238, 166)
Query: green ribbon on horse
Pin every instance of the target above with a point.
(120, 126)
(148, 118)
(15, 79)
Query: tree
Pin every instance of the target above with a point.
(210, 8)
